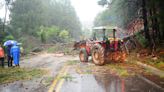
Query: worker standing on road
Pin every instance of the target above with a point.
(15, 53)
(2, 56)
(9, 58)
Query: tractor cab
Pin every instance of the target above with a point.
(103, 33)
(107, 36)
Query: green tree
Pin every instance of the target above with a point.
(118, 12)
(43, 36)
(28, 15)
(64, 34)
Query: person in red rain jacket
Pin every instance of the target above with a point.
(2, 56)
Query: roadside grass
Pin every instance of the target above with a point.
(8, 75)
(159, 63)
(119, 70)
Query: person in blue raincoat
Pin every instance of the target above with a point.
(15, 53)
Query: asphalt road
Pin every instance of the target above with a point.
(75, 79)
(50, 62)
(69, 75)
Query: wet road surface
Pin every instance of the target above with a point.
(92, 83)
(68, 76)
(76, 81)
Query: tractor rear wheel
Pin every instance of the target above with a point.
(83, 55)
(98, 54)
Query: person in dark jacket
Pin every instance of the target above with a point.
(15, 53)
(9, 58)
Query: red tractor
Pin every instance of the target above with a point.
(103, 47)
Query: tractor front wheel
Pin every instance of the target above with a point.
(98, 54)
(83, 55)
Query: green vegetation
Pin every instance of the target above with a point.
(8, 75)
(45, 21)
(119, 12)
(142, 40)
(158, 63)
(124, 13)
(53, 34)
(29, 16)
(64, 34)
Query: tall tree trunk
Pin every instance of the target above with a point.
(152, 32)
(156, 23)
(146, 30)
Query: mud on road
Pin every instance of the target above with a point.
(52, 63)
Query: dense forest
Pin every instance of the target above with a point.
(36, 21)
(126, 14)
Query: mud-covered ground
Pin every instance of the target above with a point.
(49, 62)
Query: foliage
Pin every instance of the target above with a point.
(119, 12)
(123, 12)
(31, 20)
(9, 37)
(141, 40)
(4, 35)
(1, 31)
(49, 34)
(53, 34)
(27, 16)
(43, 36)
(64, 34)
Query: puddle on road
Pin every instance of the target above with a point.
(106, 83)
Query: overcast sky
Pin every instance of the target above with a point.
(86, 9)
(2, 10)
